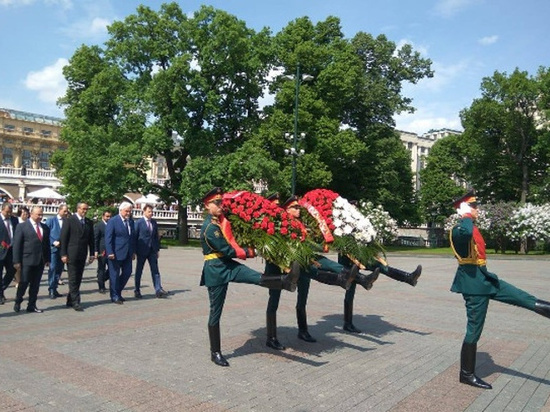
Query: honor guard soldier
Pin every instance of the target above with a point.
(477, 286)
(219, 249)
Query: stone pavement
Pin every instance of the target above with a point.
(153, 355)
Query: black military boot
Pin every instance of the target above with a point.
(302, 326)
(542, 308)
(215, 345)
(468, 366)
(367, 280)
(271, 326)
(343, 279)
(348, 318)
(402, 276)
(286, 282)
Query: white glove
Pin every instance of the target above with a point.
(464, 209)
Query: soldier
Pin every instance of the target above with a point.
(478, 286)
(219, 269)
(378, 265)
(322, 270)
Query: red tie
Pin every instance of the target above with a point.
(38, 233)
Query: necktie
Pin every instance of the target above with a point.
(38, 233)
(127, 225)
(82, 222)
(149, 226)
(7, 223)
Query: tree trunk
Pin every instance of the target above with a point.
(183, 235)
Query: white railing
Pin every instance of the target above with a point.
(29, 173)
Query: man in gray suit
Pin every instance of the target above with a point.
(31, 252)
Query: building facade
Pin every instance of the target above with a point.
(419, 146)
(27, 141)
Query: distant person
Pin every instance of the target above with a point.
(55, 223)
(100, 254)
(120, 246)
(77, 238)
(147, 250)
(7, 230)
(22, 213)
(31, 252)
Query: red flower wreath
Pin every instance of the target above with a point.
(262, 214)
(318, 203)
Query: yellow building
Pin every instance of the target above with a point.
(27, 141)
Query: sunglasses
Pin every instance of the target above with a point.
(217, 202)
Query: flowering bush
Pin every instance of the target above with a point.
(530, 222)
(257, 222)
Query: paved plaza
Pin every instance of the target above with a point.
(153, 354)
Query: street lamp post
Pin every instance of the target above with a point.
(293, 151)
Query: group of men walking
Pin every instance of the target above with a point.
(72, 242)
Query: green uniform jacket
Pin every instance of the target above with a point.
(470, 279)
(218, 271)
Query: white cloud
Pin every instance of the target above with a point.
(444, 75)
(48, 82)
(87, 29)
(423, 50)
(448, 8)
(7, 3)
(423, 120)
(65, 4)
(485, 41)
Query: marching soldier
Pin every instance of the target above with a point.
(478, 286)
(378, 265)
(219, 249)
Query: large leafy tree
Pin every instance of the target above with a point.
(505, 139)
(164, 84)
(346, 112)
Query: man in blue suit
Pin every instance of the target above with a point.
(55, 223)
(7, 230)
(148, 247)
(120, 246)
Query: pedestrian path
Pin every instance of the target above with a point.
(152, 354)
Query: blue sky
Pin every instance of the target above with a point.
(465, 39)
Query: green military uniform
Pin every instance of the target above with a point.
(219, 267)
(476, 283)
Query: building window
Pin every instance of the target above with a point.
(7, 156)
(46, 133)
(26, 158)
(28, 130)
(44, 160)
(9, 127)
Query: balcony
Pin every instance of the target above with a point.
(16, 172)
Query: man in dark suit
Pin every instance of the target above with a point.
(120, 246)
(77, 237)
(147, 249)
(7, 230)
(31, 252)
(55, 223)
(100, 254)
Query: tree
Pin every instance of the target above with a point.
(505, 136)
(164, 85)
(442, 179)
(346, 112)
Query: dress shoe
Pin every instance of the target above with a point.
(52, 295)
(69, 304)
(304, 335)
(103, 291)
(137, 294)
(2, 299)
(218, 359)
(274, 343)
(162, 294)
(78, 308)
(57, 294)
(17, 307)
(122, 299)
(118, 301)
(350, 327)
(35, 310)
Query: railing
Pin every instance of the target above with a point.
(19, 172)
